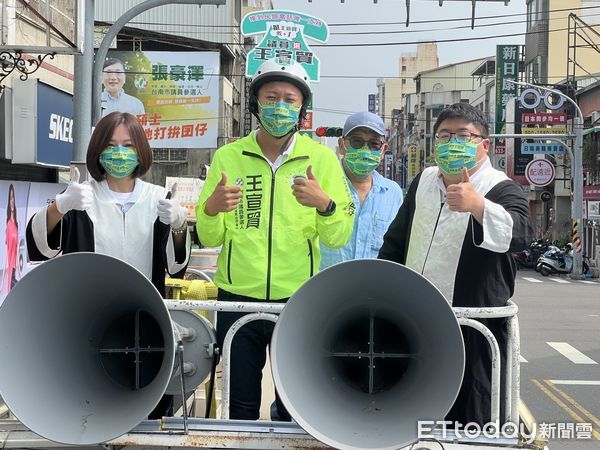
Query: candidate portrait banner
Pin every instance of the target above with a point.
(175, 95)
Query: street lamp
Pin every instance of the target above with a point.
(577, 172)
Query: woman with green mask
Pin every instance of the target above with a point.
(116, 213)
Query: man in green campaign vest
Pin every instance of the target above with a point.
(268, 199)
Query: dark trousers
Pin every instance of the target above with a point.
(247, 360)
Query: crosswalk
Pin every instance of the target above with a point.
(569, 352)
(557, 280)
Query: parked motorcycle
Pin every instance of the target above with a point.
(529, 257)
(557, 261)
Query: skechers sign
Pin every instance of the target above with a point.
(49, 112)
(61, 128)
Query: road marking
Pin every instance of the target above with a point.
(576, 382)
(565, 407)
(571, 353)
(587, 282)
(581, 409)
(559, 280)
(522, 360)
(532, 280)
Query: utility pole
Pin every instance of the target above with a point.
(82, 92)
(576, 172)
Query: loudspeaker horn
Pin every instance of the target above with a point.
(363, 351)
(88, 348)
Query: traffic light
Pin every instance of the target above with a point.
(329, 131)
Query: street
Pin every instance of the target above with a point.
(560, 372)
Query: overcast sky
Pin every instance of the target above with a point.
(350, 95)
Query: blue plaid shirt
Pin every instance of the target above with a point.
(371, 221)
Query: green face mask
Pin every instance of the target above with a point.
(453, 155)
(362, 161)
(119, 161)
(279, 118)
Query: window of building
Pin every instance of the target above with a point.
(532, 13)
(403, 80)
(169, 154)
(589, 12)
(532, 70)
(403, 68)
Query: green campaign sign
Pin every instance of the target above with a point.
(284, 39)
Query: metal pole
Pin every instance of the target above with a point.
(576, 173)
(82, 92)
(112, 33)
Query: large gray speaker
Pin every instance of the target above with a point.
(87, 348)
(363, 351)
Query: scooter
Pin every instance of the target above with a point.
(556, 260)
(529, 257)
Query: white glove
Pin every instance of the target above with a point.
(170, 212)
(76, 196)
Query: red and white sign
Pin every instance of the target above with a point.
(540, 172)
(591, 192)
(544, 118)
(307, 123)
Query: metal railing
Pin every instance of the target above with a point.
(236, 434)
(465, 317)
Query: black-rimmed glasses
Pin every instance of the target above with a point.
(463, 136)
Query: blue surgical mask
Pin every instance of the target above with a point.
(279, 118)
(453, 155)
(362, 161)
(119, 161)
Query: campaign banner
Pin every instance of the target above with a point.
(175, 95)
(284, 39)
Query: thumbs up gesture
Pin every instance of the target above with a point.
(170, 211)
(308, 191)
(224, 198)
(462, 197)
(77, 196)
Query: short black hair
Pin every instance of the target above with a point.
(466, 112)
(112, 62)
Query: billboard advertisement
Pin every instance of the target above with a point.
(175, 95)
(19, 201)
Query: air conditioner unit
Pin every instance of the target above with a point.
(595, 117)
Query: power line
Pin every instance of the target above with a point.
(182, 39)
(493, 24)
(456, 19)
(370, 33)
(437, 41)
(350, 77)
